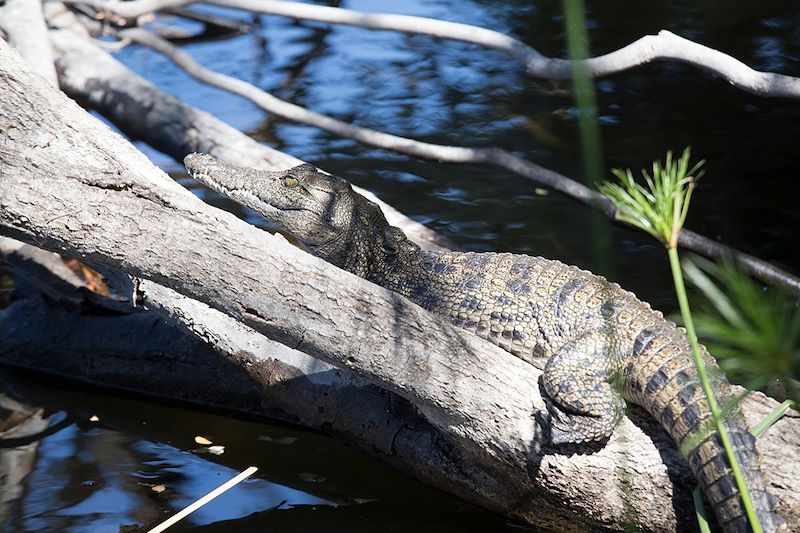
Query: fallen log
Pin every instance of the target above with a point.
(70, 185)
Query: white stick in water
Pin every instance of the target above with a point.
(204, 500)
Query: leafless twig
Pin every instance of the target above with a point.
(448, 154)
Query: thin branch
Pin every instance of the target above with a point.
(437, 152)
(249, 471)
(663, 46)
(450, 154)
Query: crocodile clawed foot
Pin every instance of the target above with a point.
(568, 428)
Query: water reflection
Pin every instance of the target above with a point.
(112, 462)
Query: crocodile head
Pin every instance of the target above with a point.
(321, 211)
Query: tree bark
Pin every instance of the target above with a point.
(68, 184)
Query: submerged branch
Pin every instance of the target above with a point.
(663, 46)
(451, 154)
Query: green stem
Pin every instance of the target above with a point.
(683, 301)
(700, 511)
(585, 98)
(771, 418)
(588, 126)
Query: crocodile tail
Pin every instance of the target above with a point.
(662, 378)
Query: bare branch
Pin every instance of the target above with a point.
(451, 154)
(663, 46)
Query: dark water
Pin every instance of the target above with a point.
(98, 476)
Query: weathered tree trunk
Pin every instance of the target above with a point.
(68, 184)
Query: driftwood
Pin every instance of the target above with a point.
(68, 184)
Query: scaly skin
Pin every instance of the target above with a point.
(597, 343)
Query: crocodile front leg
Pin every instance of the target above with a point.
(583, 404)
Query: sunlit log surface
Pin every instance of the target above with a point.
(24, 26)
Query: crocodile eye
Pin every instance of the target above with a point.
(388, 248)
(290, 181)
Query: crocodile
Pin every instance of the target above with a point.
(597, 344)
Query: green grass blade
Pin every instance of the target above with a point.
(702, 373)
(771, 418)
(700, 511)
